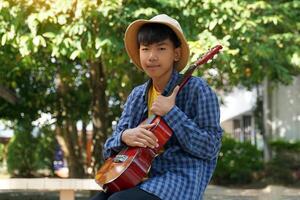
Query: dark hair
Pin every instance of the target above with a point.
(152, 33)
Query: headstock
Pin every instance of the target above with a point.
(208, 56)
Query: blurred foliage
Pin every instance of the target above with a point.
(1, 152)
(21, 153)
(281, 146)
(241, 164)
(260, 39)
(31, 152)
(284, 168)
(238, 163)
(45, 147)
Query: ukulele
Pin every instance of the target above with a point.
(132, 164)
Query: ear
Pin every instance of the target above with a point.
(177, 54)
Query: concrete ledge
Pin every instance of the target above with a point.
(48, 184)
(66, 187)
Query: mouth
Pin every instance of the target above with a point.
(153, 66)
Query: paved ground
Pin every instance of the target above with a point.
(271, 192)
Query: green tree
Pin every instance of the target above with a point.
(261, 40)
(62, 45)
(67, 58)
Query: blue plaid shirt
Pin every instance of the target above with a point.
(184, 169)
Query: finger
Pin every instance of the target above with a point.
(155, 111)
(149, 137)
(147, 126)
(175, 91)
(152, 136)
(145, 142)
(138, 144)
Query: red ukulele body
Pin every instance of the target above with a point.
(131, 165)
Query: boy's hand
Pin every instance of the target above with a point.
(140, 136)
(162, 105)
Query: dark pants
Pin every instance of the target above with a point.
(130, 194)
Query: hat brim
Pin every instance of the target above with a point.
(132, 47)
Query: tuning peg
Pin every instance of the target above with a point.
(215, 56)
(209, 61)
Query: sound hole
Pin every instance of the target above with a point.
(120, 158)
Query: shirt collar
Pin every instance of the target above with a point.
(171, 83)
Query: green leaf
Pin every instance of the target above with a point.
(62, 19)
(32, 23)
(48, 35)
(11, 34)
(100, 43)
(55, 51)
(238, 25)
(3, 39)
(39, 40)
(36, 41)
(43, 41)
(212, 24)
(98, 54)
(295, 60)
(75, 54)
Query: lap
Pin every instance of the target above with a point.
(132, 194)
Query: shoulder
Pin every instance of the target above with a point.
(198, 88)
(197, 83)
(138, 91)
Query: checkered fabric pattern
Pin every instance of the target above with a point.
(184, 169)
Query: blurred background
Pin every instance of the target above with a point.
(65, 75)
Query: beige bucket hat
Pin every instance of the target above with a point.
(131, 43)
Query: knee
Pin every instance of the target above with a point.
(116, 196)
(99, 196)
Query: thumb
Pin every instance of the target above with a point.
(175, 91)
(146, 126)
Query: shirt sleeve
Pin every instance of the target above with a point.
(114, 143)
(200, 136)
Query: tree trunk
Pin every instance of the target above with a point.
(84, 143)
(67, 133)
(267, 119)
(99, 111)
(75, 162)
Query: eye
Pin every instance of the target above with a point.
(144, 49)
(162, 48)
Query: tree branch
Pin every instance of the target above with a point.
(8, 95)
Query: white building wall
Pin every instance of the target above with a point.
(285, 112)
(236, 102)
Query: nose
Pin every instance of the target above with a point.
(153, 56)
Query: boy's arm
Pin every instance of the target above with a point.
(114, 143)
(201, 136)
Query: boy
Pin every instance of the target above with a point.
(183, 170)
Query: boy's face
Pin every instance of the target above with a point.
(157, 59)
